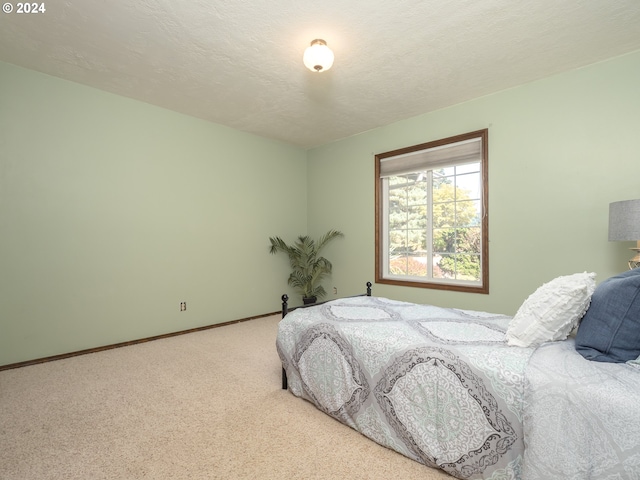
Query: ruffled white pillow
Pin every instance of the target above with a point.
(552, 311)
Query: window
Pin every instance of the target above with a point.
(431, 215)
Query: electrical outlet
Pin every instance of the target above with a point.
(335, 290)
(183, 306)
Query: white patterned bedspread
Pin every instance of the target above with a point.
(442, 387)
(438, 385)
(582, 418)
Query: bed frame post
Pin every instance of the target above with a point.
(285, 310)
(285, 305)
(368, 289)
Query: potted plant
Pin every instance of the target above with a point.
(308, 267)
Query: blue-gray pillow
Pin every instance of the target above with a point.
(610, 330)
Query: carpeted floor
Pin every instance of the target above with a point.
(205, 405)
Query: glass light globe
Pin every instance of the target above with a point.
(318, 57)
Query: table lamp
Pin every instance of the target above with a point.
(624, 226)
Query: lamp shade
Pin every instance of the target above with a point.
(318, 57)
(624, 221)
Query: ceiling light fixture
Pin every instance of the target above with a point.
(318, 57)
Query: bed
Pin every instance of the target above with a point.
(453, 390)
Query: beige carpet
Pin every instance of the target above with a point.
(205, 405)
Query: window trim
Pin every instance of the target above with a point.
(379, 220)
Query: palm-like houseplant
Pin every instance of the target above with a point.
(308, 268)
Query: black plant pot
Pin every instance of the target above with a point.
(309, 300)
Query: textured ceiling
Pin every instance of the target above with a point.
(239, 63)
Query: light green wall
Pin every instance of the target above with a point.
(560, 150)
(113, 211)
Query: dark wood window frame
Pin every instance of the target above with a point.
(483, 286)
